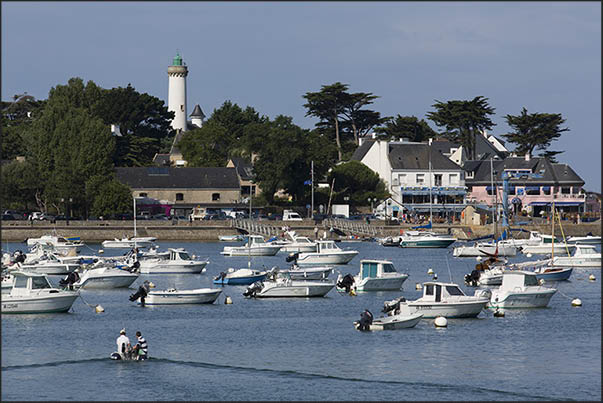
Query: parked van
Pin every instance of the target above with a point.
(290, 215)
(198, 213)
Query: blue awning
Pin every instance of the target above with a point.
(560, 204)
(533, 188)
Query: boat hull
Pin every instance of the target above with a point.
(343, 257)
(521, 300)
(430, 243)
(381, 284)
(305, 289)
(555, 275)
(394, 322)
(244, 251)
(546, 249)
(42, 304)
(108, 281)
(474, 251)
(51, 269)
(182, 297)
(240, 280)
(563, 261)
(449, 310)
(165, 267)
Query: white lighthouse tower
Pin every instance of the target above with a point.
(177, 73)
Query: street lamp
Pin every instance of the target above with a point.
(371, 200)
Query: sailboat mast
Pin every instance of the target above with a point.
(495, 213)
(312, 170)
(134, 200)
(430, 185)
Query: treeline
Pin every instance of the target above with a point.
(71, 153)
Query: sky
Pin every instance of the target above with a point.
(544, 56)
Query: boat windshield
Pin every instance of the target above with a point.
(39, 282)
(20, 282)
(452, 290)
(530, 280)
(184, 256)
(388, 268)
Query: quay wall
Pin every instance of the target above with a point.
(98, 231)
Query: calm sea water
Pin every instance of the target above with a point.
(306, 349)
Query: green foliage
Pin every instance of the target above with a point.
(535, 131)
(405, 126)
(355, 180)
(20, 184)
(16, 118)
(112, 197)
(463, 120)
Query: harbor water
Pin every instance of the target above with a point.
(305, 348)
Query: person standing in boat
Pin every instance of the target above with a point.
(123, 344)
(141, 349)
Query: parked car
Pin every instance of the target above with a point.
(37, 215)
(124, 216)
(161, 217)
(7, 217)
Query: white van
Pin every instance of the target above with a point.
(290, 215)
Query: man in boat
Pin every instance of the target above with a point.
(140, 350)
(366, 319)
(123, 345)
(142, 292)
(68, 281)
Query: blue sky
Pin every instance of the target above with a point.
(544, 56)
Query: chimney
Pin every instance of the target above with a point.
(527, 156)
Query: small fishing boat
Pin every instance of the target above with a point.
(295, 243)
(584, 256)
(389, 241)
(589, 239)
(172, 296)
(326, 253)
(375, 275)
(33, 293)
(399, 316)
(178, 261)
(284, 286)
(255, 246)
(520, 289)
(106, 277)
(243, 276)
(448, 300)
(61, 244)
(231, 238)
(129, 243)
(425, 239)
(49, 264)
(500, 248)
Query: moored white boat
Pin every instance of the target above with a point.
(48, 263)
(520, 289)
(376, 275)
(106, 277)
(243, 276)
(308, 272)
(32, 293)
(284, 286)
(546, 248)
(178, 261)
(61, 244)
(448, 300)
(399, 316)
(128, 243)
(583, 256)
(231, 238)
(485, 249)
(173, 296)
(255, 246)
(425, 239)
(326, 253)
(296, 243)
(585, 240)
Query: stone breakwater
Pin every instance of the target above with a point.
(97, 231)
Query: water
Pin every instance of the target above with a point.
(306, 349)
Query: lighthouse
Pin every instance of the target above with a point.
(177, 73)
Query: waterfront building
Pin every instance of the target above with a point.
(244, 171)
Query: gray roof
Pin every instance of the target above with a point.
(243, 167)
(161, 160)
(552, 173)
(416, 156)
(177, 138)
(178, 178)
(362, 150)
(197, 112)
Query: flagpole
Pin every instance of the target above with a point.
(312, 170)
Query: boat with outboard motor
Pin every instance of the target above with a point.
(448, 300)
(520, 289)
(244, 276)
(500, 248)
(295, 243)
(178, 261)
(398, 316)
(255, 246)
(48, 263)
(488, 272)
(32, 293)
(231, 238)
(326, 253)
(374, 275)
(129, 242)
(588, 239)
(61, 244)
(102, 276)
(425, 239)
(583, 256)
(283, 286)
(173, 296)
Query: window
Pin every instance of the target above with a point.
(453, 290)
(565, 190)
(429, 289)
(490, 190)
(576, 190)
(437, 180)
(420, 179)
(20, 282)
(142, 195)
(369, 270)
(546, 190)
(215, 196)
(182, 108)
(389, 268)
(454, 179)
(533, 190)
(530, 280)
(179, 196)
(39, 282)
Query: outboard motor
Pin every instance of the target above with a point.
(346, 282)
(68, 281)
(366, 319)
(115, 356)
(292, 257)
(135, 267)
(141, 293)
(392, 306)
(253, 289)
(221, 276)
(484, 293)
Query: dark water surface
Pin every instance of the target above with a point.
(306, 349)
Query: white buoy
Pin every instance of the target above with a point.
(498, 313)
(440, 321)
(576, 302)
(228, 300)
(430, 271)
(99, 309)
(101, 251)
(435, 276)
(418, 286)
(194, 256)
(592, 277)
(479, 258)
(529, 255)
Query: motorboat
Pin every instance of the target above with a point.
(488, 272)
(284, 286)
(61, 244)
(48, 263)
(547, 248)
(33, 293)
(552, 273)
(308, 272)
(376, 275)
(520, 289)
(326, 253)
(129, 242)
(585, 240)
(243, 276)
(486, 249)
(255, 246)
(584, 256)
(231, 238)
(106, 277)
(296, 243)
(399, 316)
(389, 241)
(172, 296)
(448, 300)
(178, 261)
(425, 239)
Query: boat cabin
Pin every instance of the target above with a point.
(585, 250)
(179, 254)
(255, 240)
(438, 292)
(326, 247)
(375, 268)
(25, 282)
(518, 278)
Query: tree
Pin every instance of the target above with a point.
(20, 185)
(535, 130)
(112, 197)
(16, 118)
(361, 120)
(355, 180)
(463, 120)
(405, 126)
